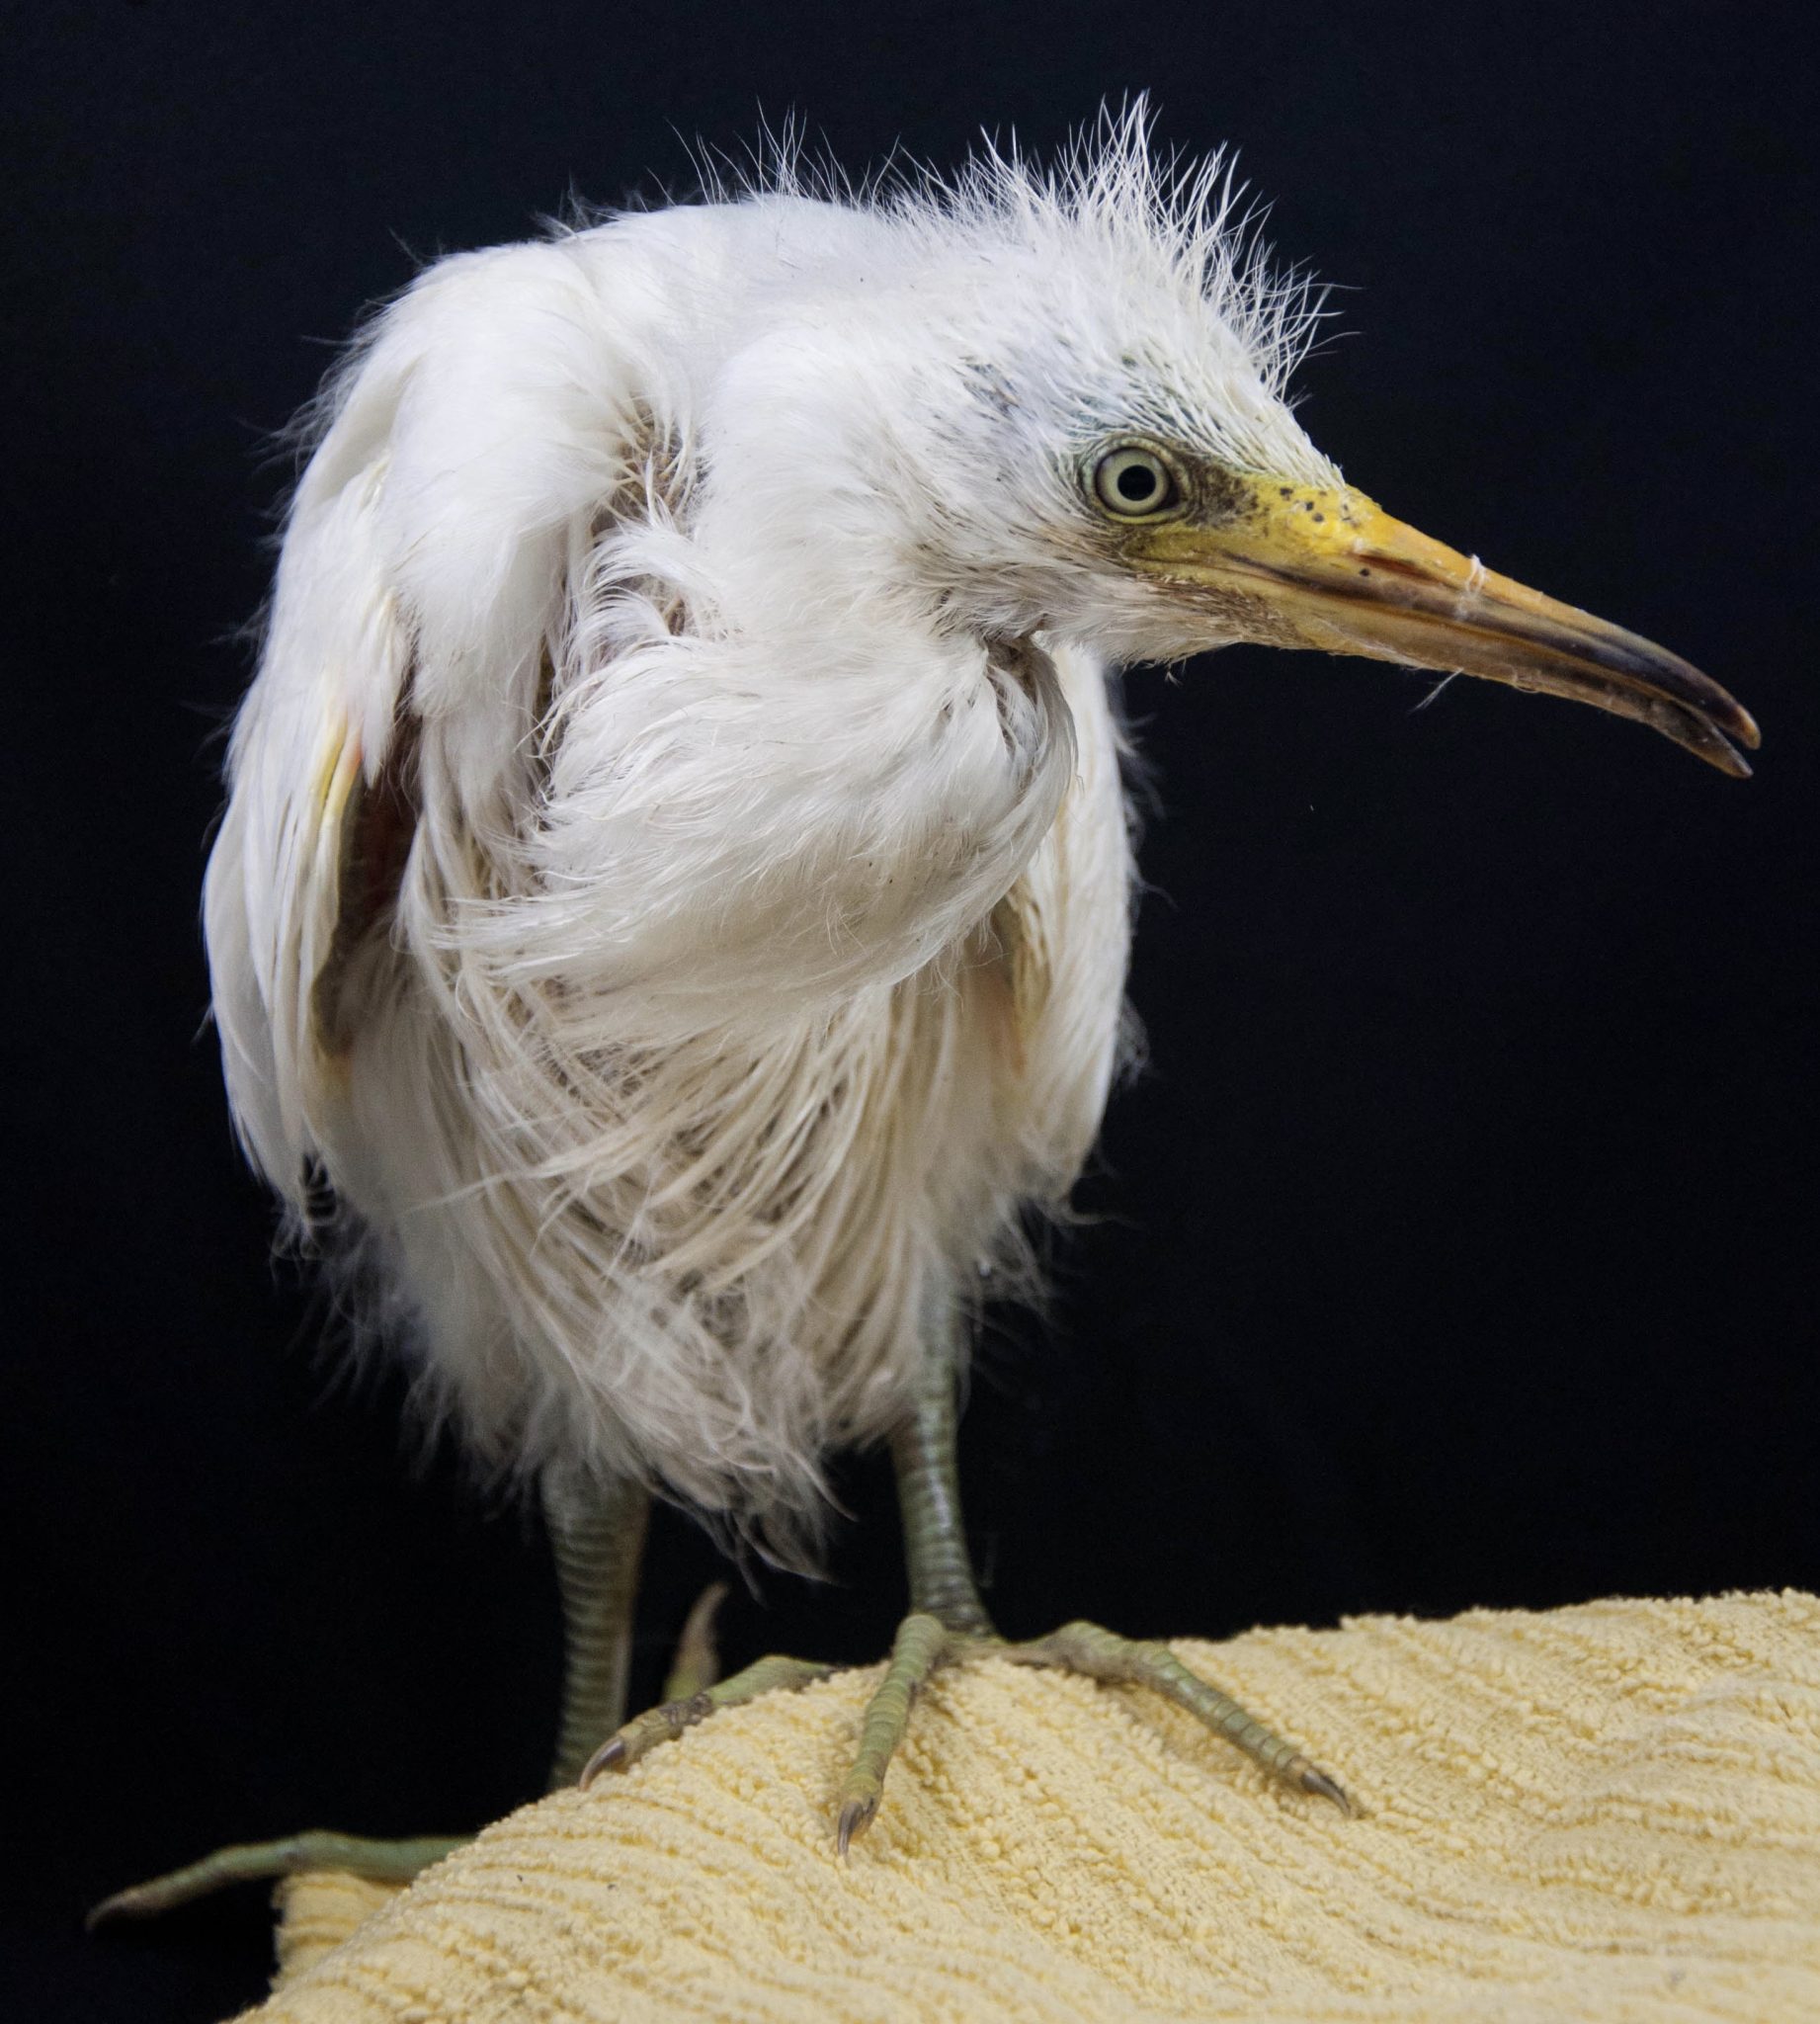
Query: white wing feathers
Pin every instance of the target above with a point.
(479, 418)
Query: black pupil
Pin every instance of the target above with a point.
(1137, 483)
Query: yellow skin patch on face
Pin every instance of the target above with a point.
(1327, 568)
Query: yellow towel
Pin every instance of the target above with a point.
(1607, 1813)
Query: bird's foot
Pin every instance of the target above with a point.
(923, 1646)
(1103, 1655)
(669, 1718)
(386, 1862)
(318, 1848)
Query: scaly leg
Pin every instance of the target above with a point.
(947, 1624)
(598, 1536)
(941, 1593)
(946, 1616)
(598, 1539)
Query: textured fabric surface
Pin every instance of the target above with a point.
(1610, 1811)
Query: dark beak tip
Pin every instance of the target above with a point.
(1717, 749)
(1734, 728)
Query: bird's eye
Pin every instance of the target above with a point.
(1134, 483)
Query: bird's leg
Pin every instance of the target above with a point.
(923, 1453)
(945, 1610)
(695, 1689)
(597, 1563)
(597, 1533)
(947, 1617)
(947, 1624)
(947, 1621)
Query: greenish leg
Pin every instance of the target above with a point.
(923, 1453)
(949, 1622)
(947, 1617)
(597, 1533)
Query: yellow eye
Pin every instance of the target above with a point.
(1134, 483)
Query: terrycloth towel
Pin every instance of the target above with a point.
(1607, 1813)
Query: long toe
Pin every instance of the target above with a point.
(923, 1646)
(923, 1643)
(250, 1862)
(1103, 1655)
(666, 1721)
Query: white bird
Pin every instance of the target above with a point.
(669, 927)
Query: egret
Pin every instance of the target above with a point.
(669, 925)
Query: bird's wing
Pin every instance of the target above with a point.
(313, 841)
(475, 424)
(366, 828)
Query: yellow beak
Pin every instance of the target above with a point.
(1300, 567)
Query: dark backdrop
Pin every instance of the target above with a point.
(1456, 1247)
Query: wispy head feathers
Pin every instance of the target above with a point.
(1150, 211)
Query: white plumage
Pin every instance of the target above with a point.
(674, 885)
(760, 951)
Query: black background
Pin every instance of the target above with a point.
(1457, 1246)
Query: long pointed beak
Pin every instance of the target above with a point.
(1300, 567)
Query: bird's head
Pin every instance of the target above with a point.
(1057, 404)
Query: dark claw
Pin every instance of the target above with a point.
(856, 1817)
(609, 1758)
(1319, 1782)
(123, 1905)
